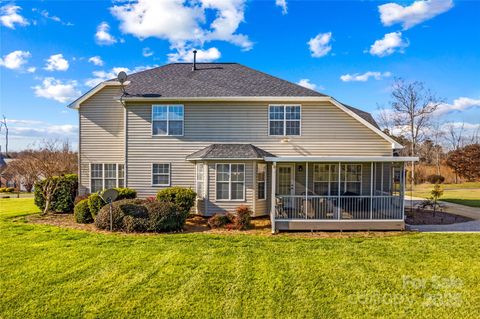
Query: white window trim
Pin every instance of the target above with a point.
(201, 196)
(103, 174)
(168, 119)
(264, 181)
(284, 119)
(169, 174)
(230, 183)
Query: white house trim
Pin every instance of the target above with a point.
(341, 159)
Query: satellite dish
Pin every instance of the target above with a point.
(110, 195)
(122, 77)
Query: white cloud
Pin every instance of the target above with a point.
(185, 24)
(319, 45)
(57, 90)
(96, 60)
(183, 55)
(103, 36)
(146, 52)
(31, 69)
(306, 83)
(417, 12)
(101, 76)
(357, 77)
(282, 4)
(459, 105)
(391, 43)
(15, 60)
(56, 62)
(9, 16)
(47, 15)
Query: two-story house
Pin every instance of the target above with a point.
(239, 136)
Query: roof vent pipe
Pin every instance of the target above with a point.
(194, 66)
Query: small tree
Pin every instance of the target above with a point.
(54, 158)
(436, 193)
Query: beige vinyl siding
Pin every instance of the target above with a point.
(326, 130)
(101, 132)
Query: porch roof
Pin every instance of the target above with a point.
(229, 152)
(341, 159)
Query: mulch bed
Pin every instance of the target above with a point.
(198, 224)
(428, 217)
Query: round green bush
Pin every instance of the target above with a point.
(218, 221)
(165, 216)
(183, 198)
(82, 212)
(63, 197)
(95, 203)
(126, 193)
(120, 209)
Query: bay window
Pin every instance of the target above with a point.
(200, 180)
(230, 181)
(261, 180)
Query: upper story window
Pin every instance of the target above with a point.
(167, 120)
(284, 119)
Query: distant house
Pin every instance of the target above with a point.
(239, 136)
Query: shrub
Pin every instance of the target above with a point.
(138, 215)
(435, 179)
(79, 198)
(242, 217)
(82, 212)
(218, 221)
(95, 203)
(7, 190)
(64, 196)
(165, 216)
(183, 198)
(120, 209)
(126, 193)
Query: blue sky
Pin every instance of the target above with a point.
(351, 50)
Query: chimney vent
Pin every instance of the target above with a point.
(194, 66)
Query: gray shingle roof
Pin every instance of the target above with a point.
(229, 151)
(365, 115)
(210, 80)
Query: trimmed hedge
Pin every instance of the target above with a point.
(435, 179)
(138, 215)
(95, 203)
(82, 212)
(7, 189)
(183, 198)
(64, 196)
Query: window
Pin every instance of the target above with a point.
(167, 120)
(161, 174)
(230, 181)
(261, 178)
(284, 119)
(105, 176)
(200, 180)
(325, 179)
(352, 175)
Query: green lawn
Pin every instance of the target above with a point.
(50, 272)
(466, 193)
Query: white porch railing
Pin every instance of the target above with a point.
(293, 207)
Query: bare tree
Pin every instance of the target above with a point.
(455, 135)
(413, 106)
(53, 158)
(437, 135)
(3, 123)
(385, 119)
(23, 170)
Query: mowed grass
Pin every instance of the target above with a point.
(465, 194)
(50, 272)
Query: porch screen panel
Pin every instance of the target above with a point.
(353, 179)
(325, 179)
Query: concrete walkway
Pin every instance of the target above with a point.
(457, 209)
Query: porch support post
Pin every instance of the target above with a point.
(371, 190)
(206, 188)
(272, 196)
(306, 190)
(339, 188)
(402, 190)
